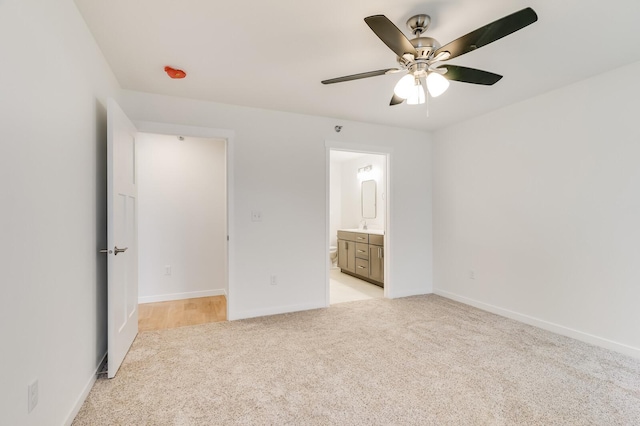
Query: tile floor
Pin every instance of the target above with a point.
(345, 288)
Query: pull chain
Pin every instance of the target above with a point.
(426, 95)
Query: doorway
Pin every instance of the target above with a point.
(182, 230)
(357, 204)
(177, 280)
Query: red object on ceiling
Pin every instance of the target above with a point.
(174, 73)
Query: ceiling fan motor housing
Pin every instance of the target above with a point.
(425, 46)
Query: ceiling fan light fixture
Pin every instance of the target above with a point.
(420, 55)
(404, 86)
(417, 95)
(436, 84)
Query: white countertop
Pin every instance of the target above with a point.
(366, 231)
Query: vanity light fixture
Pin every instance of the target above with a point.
(365, 172)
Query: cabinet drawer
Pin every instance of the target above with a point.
(361, 237)
(376, 239)
(362, 251)
(345, 235)
(362, 267)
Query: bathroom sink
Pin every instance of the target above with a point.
(368, 231)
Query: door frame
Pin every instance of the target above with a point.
(388, 241)
(211, 133)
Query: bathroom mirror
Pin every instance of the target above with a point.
(368, 192)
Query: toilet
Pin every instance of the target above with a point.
(333, 256)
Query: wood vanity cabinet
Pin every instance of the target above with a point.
(346, 253)
(376, 258)
(361, 254)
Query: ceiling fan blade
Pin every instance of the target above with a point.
(489, 33)
(358, 76)
(469, 75)
(390, 35)
(396, 100)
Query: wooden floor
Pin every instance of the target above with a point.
(179, 313)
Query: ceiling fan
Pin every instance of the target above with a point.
(420, 57)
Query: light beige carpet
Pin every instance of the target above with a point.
(420, 360)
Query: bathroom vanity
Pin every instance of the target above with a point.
(361, 254)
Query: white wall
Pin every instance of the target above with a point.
(182, 217)
(53, 93)
(279, 163)
(541, 200)
(351, 191)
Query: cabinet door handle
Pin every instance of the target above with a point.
(361, 251)
(361, 267)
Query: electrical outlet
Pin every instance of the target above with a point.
(274, 280)
(32, 395)
(472, 275)
(167, 269)
(256, 216)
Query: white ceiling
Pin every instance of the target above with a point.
(273, 54)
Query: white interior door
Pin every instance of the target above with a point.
(122, 231)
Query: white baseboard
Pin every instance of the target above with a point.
(408, 293)
(546, 325)
(180, 296)
(276, 310)
(84, 394)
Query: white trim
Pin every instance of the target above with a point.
(408, 293)
(208, 132)
(546, 325)
(369, 149)
(84, 394)
(182, 296)
(181, 130)
(278, 310)
(390, 291)
(327, 226)
(231, 276)
(387, 151)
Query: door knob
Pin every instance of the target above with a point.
(115, 250)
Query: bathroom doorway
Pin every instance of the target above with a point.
(357, 202)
